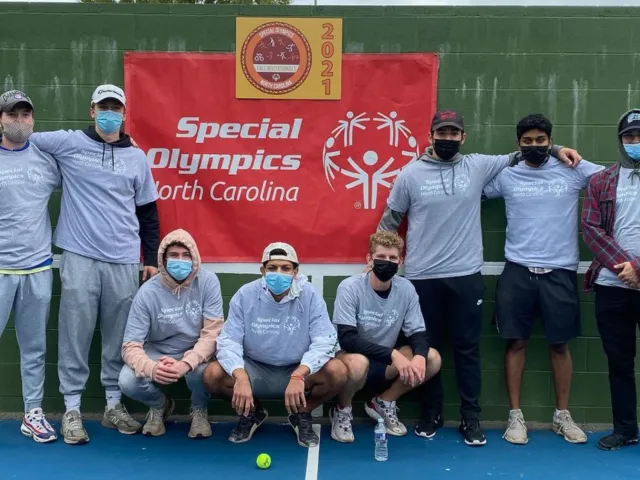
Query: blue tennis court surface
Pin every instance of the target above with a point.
(112, 456)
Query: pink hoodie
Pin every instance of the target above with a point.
(133, 353)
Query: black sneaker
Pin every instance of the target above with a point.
(302, 424)
(247, 425)
(615, 440)
(427, 427)
(472, 433)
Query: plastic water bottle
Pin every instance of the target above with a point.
(381, 451)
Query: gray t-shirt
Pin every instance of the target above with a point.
(170, 324)
(27, 179)
(626, 229)
(294, 331)
(378, 320)
(444, 237)
(542, 211)
(102, 186)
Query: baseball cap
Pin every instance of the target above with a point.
(630, 122)
(447, 118)
(290, 252)
(108, 91)
(10, 99)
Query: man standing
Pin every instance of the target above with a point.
(611, 229)
(171, 333)
(27, 179)
(371, 312)
(277, 342)
(540, 275)
(108, 210)
(441, 194)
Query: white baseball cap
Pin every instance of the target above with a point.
(290, 253)
(108, 91)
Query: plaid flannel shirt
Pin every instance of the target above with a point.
(598, 220)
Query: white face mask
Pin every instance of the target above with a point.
(17, 132)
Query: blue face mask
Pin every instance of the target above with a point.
(633, 150)
(278, 283)
(107, 121)
(179, 269)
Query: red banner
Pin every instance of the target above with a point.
(238, 174)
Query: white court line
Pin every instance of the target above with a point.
(313, 457)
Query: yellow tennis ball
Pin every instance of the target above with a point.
(263, 460)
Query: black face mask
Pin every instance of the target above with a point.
(446, 149)
(535, 155)
(384, 269)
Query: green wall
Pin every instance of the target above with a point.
(580, 66)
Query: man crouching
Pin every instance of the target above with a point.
(277, 341)
(171, 333)
(371, 312)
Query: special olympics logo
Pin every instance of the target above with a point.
(348, 151)
(193, 310)
(119, 166)
(558, 187)
(35, 175)
(276, 58)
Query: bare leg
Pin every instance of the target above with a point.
(562, 368)
(514, 359)
(357, 367)
(325, 384)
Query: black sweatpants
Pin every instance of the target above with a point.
(453, 306)
(618, 316)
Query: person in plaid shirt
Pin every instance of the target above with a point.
(611, 229)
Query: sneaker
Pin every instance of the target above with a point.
(247, 426)
(120, 419)
(564, 425)
(472, 433)
(154, 424)
(427, 427)
(614, 441)
(72, 430)
(302, 424)
(516, 431)
(200, 426)
(341, 430)
(35, 425)
(388, 411)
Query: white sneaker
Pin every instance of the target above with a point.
(516, 431)
(388, 411)
(200, 426)
(341, 430)
(564, 425)
(35, 425)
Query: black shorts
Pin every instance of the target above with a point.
(522, 295)
(377, 382)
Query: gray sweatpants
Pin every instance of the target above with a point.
(145, 391)
(30, 298)
(90, 287)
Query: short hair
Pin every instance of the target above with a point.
(534, 121)
(279, 251)
(173, 244)
(385, 239)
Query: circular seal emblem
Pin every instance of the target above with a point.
(276, 58)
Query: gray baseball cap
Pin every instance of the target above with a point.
(10, 99)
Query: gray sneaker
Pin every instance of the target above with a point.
(154, 424)
(516, 431)
(564, 425)
(72, 430)
(120, 419)
(200, 426)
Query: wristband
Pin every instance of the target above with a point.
(299, 377)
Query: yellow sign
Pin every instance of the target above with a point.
(289, 58)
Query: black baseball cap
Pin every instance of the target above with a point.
(630, 122)
(10, 99)
(447, 118)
